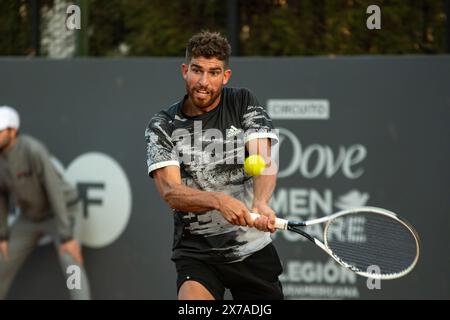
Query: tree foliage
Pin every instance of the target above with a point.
(267, 27)
(15, 35)
(327, 27)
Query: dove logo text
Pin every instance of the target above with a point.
(312, 203)
(316, 159)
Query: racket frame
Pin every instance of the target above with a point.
(284, 224)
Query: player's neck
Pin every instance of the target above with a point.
(191, 110)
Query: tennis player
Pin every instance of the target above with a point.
(30, 184)
(195, 151)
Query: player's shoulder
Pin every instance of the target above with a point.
(31, 143)
(31, 148)
(241, 97)
(168, 114)
(239, 100)
(164, 119)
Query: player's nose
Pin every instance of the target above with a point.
(204, 80)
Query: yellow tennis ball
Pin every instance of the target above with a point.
(254, 165)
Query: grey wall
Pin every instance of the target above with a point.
(397, 108)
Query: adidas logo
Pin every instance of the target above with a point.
(233, 131)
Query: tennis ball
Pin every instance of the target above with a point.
(254, 165)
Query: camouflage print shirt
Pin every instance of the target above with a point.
(210, 150)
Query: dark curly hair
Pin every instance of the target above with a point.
(209, 45)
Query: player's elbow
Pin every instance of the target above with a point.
(170, 197)
(167, 196)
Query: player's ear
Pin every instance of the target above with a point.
(184, 70)
(226, 76)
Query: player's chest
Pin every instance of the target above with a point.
(201, 144)
(17, 171)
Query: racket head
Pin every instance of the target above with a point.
(380, 246)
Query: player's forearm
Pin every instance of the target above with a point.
(263, 187)
(182, 198)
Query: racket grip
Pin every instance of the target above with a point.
(279, 223)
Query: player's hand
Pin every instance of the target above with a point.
(73, 248)
(4, 250)
(267, 220)
(234, 211)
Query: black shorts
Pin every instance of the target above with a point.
(255, 278)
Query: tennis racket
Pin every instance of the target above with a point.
(378, 244)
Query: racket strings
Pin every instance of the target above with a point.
(373, 240)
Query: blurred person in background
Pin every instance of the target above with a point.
(31, 186)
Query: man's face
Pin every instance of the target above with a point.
(204, 81)
(6, 138)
